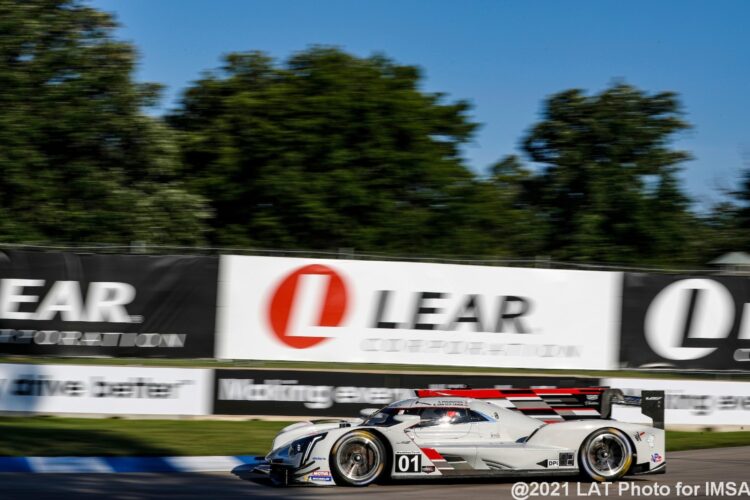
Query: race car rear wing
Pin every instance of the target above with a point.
(651, 403)
(552, 404)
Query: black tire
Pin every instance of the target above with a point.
(358, 458)
(605, 455)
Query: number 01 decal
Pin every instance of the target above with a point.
(408, 462)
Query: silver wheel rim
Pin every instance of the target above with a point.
(607, 454)
(359, 458)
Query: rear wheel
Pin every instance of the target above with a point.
(606, 455)
(357, 459)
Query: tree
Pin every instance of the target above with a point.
(512, 227)
(329, 150)
(80, 161)
(727, 223)
(741, 198)
(607, 183)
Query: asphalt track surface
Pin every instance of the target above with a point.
(689, 467)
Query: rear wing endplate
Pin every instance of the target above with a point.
(651, 403)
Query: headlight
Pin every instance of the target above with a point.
(303, 445)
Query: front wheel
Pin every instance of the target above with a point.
(357, 459)
(606, 455)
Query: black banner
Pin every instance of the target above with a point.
(685, 322)
(107, 305)
(343, 394)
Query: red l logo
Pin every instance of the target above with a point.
(286, 302)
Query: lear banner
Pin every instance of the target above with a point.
(689, 402)
(107, 305)
(339, 394)
(685, 322)
(104, 390)
(416, 313)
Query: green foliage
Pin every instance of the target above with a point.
(740, 210)
(327, 151)
(726, 227)
(57, 436)
(608, 183)
(515, 226)
(79, 160)
(698, 440)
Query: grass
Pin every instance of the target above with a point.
(677, 441)
(349, 367)
(56, 436)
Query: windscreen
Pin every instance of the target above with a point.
(429, 416)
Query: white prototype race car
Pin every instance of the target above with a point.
(475, 433)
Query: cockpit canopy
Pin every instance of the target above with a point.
(449, 411)
(429, 416)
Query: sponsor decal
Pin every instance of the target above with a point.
(550, 463)
(441, 402)
(104, 389)
(320, 475)
(566, 459)
(111, 305)
(104, 302)
(396, 312)
(292, 295)
(685, 322)
(322, 393)
(320, 284)
(707, 310)
(474, 349)
(96, 387)
(316, 397)
(454, 310)
(91, 339)
(656, 458)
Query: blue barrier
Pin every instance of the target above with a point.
(88, 465)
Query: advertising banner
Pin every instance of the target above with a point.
(107, 305)
(415, 313)
(339, 394)
(689, 402)
(685, 322)
(115, 390)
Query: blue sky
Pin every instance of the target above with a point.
(504, 57)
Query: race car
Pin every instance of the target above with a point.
(474, 433)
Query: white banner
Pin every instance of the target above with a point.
(689, 402)
(416, 313)
(105, 390)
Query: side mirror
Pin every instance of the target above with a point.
(368, 412)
